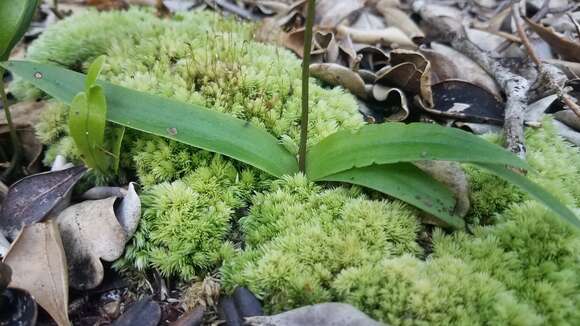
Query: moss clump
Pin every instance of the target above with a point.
(300, 237)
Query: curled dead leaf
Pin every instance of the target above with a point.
(335, 75)
(90, 232)
(390, 36)
(398, 18)
(38, 263)
(32, 198)
(392, 102)
(129, 210)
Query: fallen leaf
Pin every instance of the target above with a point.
(447, 63)
(398, 18)
(330, 13)
(409, 71)
(32, 198)
(392, 102)
(335, 74)
(389, 36)
(129, 211)
(191, 318)
(96, 193)
(569, 118)
(372, 58)
(570, 50)
(567, 133)
(144, 312)
(38, 264)
(31, 146)
(90, 232)
(467, 102)
(323, 314)
(246, 303)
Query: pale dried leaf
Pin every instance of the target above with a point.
(390, 36)
(129, 210)
(38, 264)
(398, 18)
(90, 232)
(335, 75)
(447, 63)
(323, 314)
(330, 13)
(569, 118)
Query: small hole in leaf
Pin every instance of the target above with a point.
(38, 75)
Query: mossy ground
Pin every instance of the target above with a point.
(307, 243)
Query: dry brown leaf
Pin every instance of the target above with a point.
(569, 118)
(447, 63)
(90, 232)
(390, 36)
(392, 101)
(411, 72)
(568, 49)
(38, 265)
(398, 18)
(330, 13)
(334, 74)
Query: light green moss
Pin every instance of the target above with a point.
(300, 237)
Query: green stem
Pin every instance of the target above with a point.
(17, 154)
(305, 84)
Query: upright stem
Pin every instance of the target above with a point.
(305, 80)
(13, 136)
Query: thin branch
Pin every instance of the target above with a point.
(546, 73)
(305, 84)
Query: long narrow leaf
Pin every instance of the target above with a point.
(533, 190)
(397, 142)
(407, 183)
(15, 16)
(193, 125)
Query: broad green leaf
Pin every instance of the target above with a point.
(407, 183)
(15, 16)
(397, 142)
(189, 124)
(534, 190)
(94, 71)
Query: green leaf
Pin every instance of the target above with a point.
(87, 121)
(407, 183)
(397, 142)
(117, 134)
(15, 16)
(94, 71)
(534, 190)
(189, 124)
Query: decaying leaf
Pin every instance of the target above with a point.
(569, 118)
(465, 101)
(191, 318)
(38, 263)
(324, 314)
(90, 232)
(335, 75)
(144, 312)
(397, 18)
(409, 71)
(567, 133)
(390, 36)
(447, 63)
(330, 13)
(32, 198)
(392, 102)
(129, 211)
(31, 146)
(570, 50)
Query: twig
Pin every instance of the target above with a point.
(544, 9)
(547, 74)
(514, 86)
(305, 84)
(17, 152)
(575, 23)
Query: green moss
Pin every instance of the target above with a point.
(300, 237)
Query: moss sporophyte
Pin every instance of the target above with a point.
(307, 242)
